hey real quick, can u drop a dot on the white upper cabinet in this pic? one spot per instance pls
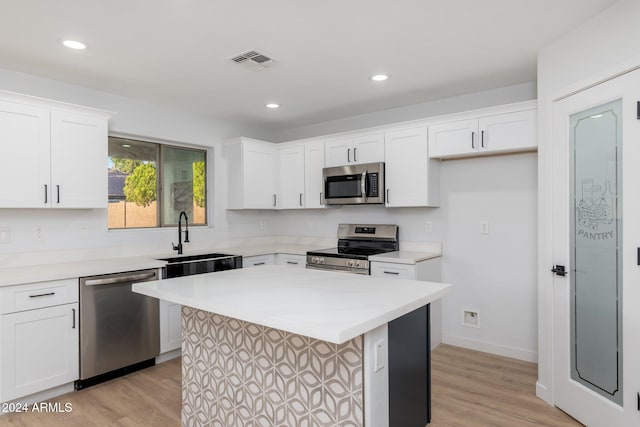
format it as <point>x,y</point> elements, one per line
<point>501,132</point>
<point>455,138</point>
<point>78,155</point>
<point>292,176</point>
<point>368,148</point>
<point>313,181</point>
<point>58,152</point>
<point>411,178</point>
<point>24,156</point>
<point>252,174</point>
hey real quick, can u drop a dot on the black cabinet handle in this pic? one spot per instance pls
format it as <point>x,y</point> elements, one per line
<point>259,263</point>
<point>300,199</point>
<point>482,139</point>
<point>349,155</point>
<point>292,262</point>
<point>391,272</point>
<point>354,154</point>
<point>46,194</point>
<point>42,295</point>
<point>274,200</point>
<point>58,192</point>
<point>73,311</point>
<point>473,136</point>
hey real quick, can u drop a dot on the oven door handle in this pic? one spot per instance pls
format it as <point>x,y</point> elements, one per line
<point>363,185</point>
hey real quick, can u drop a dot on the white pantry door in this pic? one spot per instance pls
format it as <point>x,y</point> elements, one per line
<point>596,171</point>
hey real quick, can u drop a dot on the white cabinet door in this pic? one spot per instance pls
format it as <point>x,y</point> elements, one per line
<point>411,178</point>
<point>257,260</point>
<point>39,350</point>
<point>338,152</point>
<point>24,156</point>
<point>508,132</point>
<point>170,327</point>
<point>368,148</point>
<point>78,153</point>
<point>292,174</point>
<point>313,181</point>
<point>291,260</point>
<point>453,139</point>
<point>259,176</point>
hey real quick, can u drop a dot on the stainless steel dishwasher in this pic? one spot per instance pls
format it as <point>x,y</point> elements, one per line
<point>119,329</point>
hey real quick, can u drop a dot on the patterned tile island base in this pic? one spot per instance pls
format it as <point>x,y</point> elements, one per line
<point>239,374</point>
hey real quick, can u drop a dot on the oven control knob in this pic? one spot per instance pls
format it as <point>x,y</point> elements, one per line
<point>320,260</point>
<point>350,263</point>
<point>314,260</point>
<point>357,263</point>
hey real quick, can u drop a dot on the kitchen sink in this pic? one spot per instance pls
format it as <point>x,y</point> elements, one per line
<point>198,264</point>
<point>189,258</point>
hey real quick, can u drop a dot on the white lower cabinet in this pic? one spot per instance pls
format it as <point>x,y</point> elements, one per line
<point>39,350</point>
<point>170,326</point>
<point>428,271</point>
<point>257,260</point>
<point>297,261</point>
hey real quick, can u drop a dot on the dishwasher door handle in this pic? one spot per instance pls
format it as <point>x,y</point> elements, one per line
<point>120,279</point>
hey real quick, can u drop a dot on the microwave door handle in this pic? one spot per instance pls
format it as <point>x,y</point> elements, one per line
<point>363,186</point>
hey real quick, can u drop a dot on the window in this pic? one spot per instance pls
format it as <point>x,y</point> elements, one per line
<point>150,184</point>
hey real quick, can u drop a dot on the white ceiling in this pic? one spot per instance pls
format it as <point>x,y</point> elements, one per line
<point>175,52</point>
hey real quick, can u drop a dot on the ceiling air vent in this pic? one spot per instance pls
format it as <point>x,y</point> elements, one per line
<point>253,60</point>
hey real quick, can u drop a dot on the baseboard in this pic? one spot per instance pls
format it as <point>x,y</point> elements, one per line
<point>500,350</point>
<point>169,355</point>
<point>544,393</point>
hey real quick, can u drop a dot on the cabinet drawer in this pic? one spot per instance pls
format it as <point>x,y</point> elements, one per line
<point>38,295</point>
<point>255,261</point>
<point>388,269</point>
<point>298,261</point>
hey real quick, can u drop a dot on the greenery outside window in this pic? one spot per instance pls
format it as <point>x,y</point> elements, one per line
<point>150,184</point>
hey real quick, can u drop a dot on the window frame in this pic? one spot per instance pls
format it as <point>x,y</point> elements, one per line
<point>160,202</point>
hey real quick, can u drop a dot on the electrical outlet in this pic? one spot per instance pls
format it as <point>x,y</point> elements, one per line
<point>470,318</point>
<point>39,233</point>
<point>484,227</point>
<point>378,362</point>
<point>5,235</point>
<point>427,226</point>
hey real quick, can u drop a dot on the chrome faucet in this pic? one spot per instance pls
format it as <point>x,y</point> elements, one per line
<point>186,232</point>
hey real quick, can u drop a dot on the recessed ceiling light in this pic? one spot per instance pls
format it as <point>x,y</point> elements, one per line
<point>379,77</point>
<point>126,145</point>
<point>272,105</point>
<point>73,44</point>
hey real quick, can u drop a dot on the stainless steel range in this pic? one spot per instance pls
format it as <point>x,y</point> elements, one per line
<point>356,242</point>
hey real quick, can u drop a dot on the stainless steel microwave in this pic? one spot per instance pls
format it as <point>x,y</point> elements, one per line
<point>354,184</point>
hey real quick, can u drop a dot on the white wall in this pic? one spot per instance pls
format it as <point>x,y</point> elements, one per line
<point>455,104</point>
<point>73,229</point>
<point>601,48</point>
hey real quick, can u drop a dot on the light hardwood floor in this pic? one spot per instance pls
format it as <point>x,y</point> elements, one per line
<point>469,389</point>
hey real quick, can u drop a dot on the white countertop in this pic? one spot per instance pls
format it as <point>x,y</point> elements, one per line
<point>329,306</point>
<point>66,270</point>
<point>404,257</point>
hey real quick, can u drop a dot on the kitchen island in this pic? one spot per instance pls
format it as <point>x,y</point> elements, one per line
<point>278,346</point>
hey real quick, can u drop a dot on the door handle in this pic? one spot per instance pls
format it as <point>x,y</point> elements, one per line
<point>300,199</point>
<point>559,270</point>
<point>42,295</point>
<point>473,136</point>
<point>321,197</point>
<point>258,263</point>
<point>354,154</point>
<point>349,155</point>
<point>46,192</point>
<point>73,313</point>
<point>58,192</point>
<point>392,272</point>
<point>387,196</point>
<point>274,200</point>
<point>292,262</point>
<point>363,185</point>
<point>482,139</point>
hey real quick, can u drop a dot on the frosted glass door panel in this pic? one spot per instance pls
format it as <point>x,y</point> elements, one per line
<point>596,253</point>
